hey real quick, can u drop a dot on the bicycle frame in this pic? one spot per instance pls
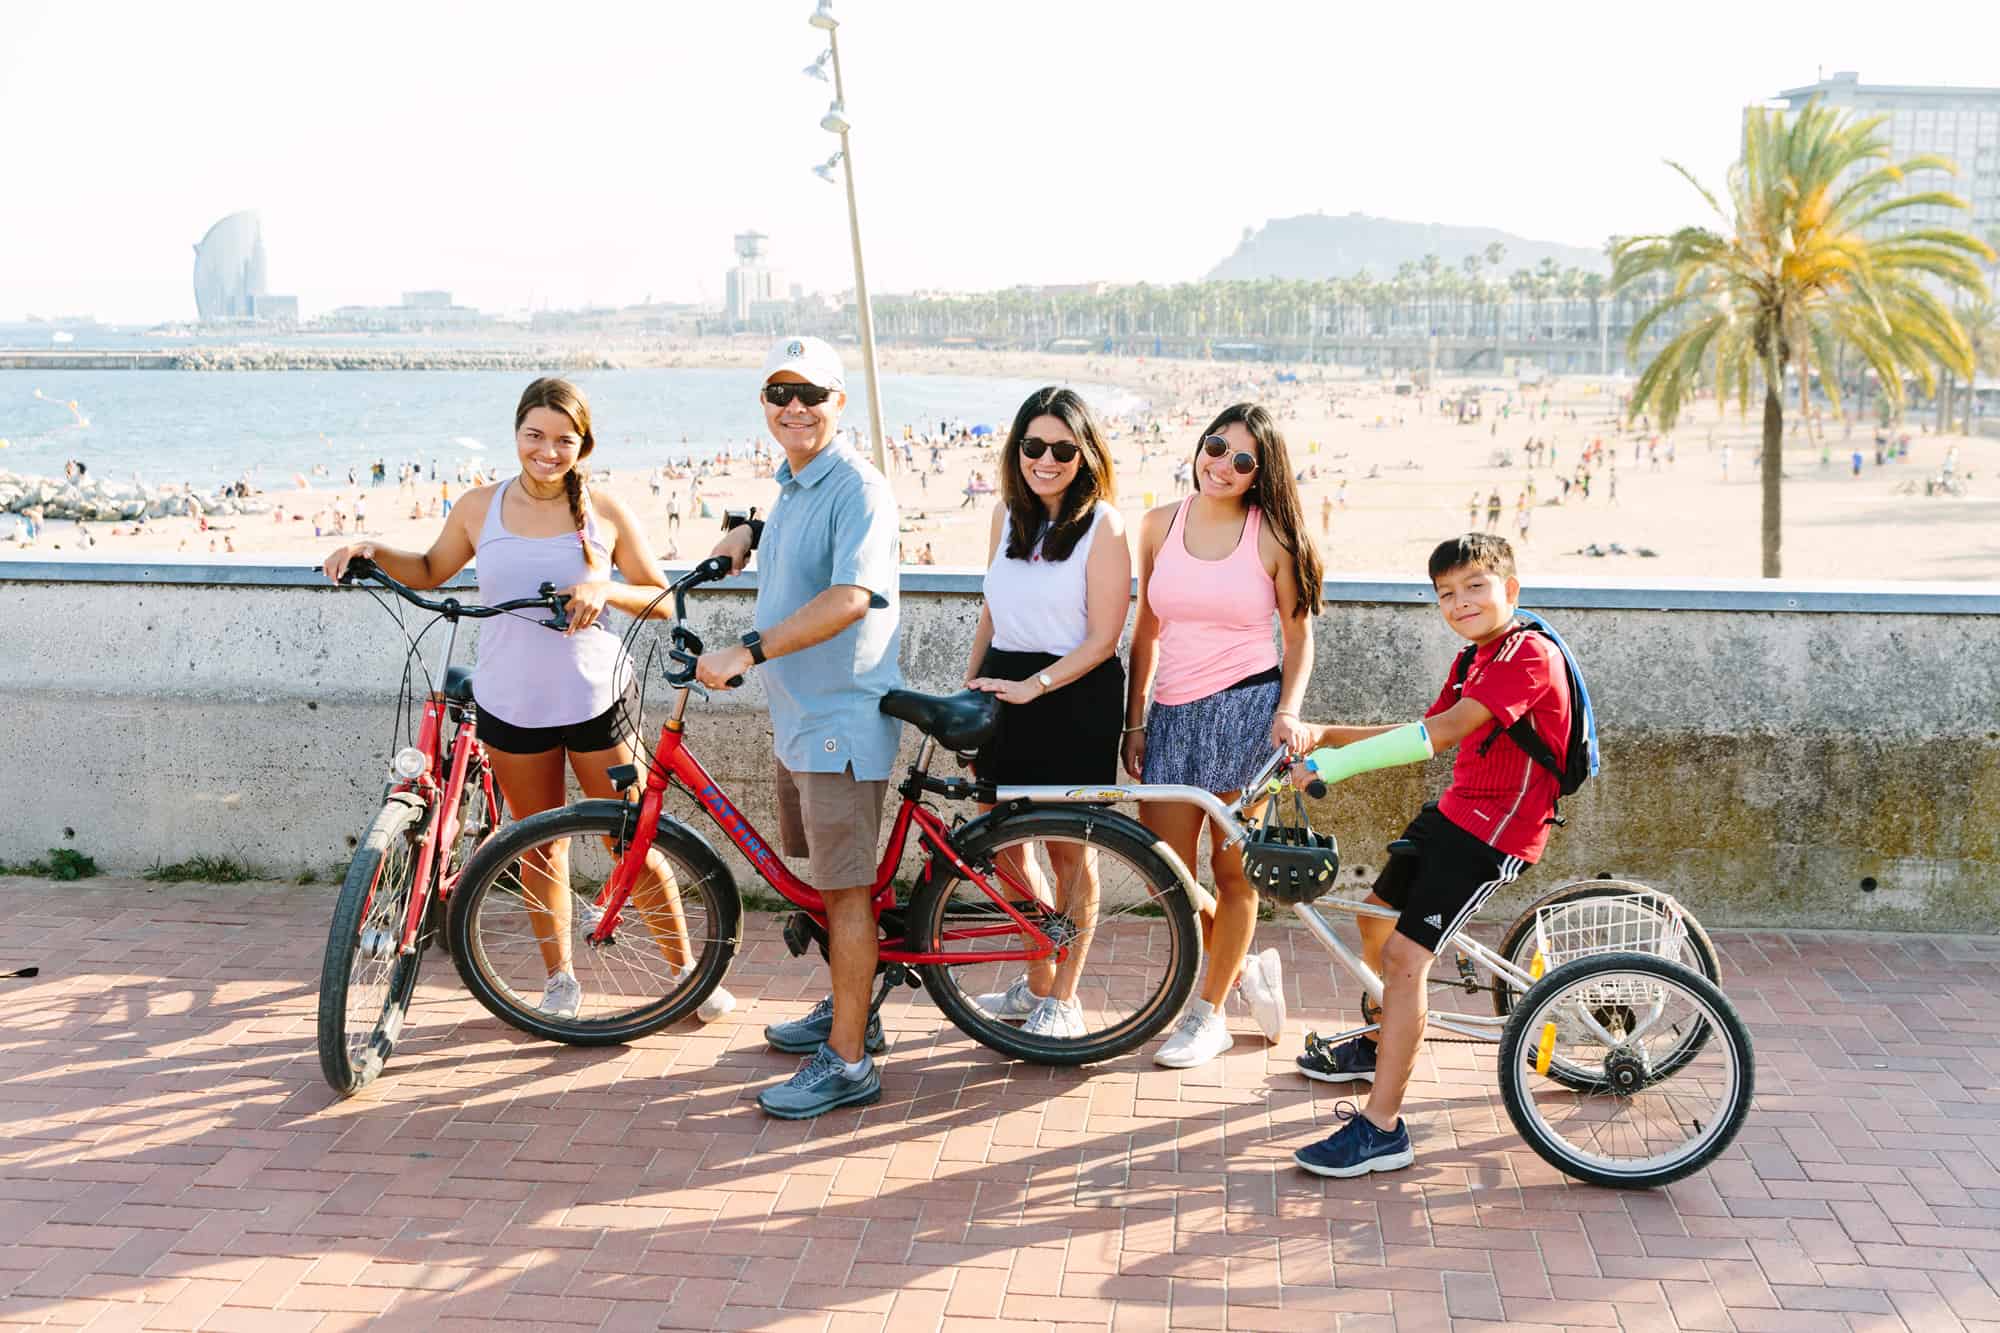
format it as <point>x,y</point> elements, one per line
<point>673,762</point>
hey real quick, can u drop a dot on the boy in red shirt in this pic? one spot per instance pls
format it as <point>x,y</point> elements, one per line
<point>1491,824</point>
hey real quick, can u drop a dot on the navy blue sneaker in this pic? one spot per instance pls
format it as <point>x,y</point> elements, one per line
<point>821,1085</point>
<point>803,1036</point>
<point>1349,1062</point>
<point>1357,1147</point>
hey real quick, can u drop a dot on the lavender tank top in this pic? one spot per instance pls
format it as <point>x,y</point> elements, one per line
<point>528,675</point>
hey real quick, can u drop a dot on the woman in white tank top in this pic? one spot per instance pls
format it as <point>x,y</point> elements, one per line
<point>1058,584</point>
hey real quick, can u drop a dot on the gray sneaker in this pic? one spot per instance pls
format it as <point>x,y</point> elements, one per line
<point>1016,1002</point>
<point>821,1085</point>
<point>803,1036</point>
<point>562,996</point>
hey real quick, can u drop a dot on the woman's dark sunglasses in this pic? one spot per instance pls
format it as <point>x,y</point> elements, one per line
<point>1215,446</point>
<point>782,395</point>
<point>1064,450</point>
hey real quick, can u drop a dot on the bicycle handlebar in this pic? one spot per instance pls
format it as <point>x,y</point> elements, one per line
<point>546,599</point>
<point>687,644</point>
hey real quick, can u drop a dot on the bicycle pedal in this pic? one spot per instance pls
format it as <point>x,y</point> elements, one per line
<point>1467,976</point>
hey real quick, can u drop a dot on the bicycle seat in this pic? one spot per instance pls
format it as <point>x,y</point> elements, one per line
<point>962,721</point>
<point>458,684</point>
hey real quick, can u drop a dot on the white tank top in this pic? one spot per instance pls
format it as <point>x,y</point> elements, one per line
<point>1040,606</point>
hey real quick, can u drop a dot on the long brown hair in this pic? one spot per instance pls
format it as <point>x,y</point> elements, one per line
<point>1277,494</point>
<point>1094,479</point>
<point>559,395</point>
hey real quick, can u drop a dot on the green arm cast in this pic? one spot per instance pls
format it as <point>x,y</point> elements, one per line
<point>1404,745</point>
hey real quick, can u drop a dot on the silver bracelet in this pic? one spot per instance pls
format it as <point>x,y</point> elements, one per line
<point>1129,730</point>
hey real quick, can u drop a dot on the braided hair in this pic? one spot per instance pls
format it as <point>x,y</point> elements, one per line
<point>559,395</point>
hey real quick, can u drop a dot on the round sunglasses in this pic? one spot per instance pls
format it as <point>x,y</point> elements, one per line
<point>782,395</point>
<point>1215,446</point>
<point>1064,451</point>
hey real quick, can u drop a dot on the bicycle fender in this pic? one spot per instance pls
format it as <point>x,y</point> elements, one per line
<point>1203,900</point>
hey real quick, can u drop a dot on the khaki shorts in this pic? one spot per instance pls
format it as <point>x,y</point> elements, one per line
<point>835,820</point>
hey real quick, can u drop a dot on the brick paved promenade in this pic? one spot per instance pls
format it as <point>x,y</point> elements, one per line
<point>171,1160</point>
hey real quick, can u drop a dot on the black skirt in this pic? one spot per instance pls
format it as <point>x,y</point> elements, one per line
<point>1067,737</point>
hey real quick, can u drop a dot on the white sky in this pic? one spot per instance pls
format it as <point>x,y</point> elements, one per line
<point>521,154</point>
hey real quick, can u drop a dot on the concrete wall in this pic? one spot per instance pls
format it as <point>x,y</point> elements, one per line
<point>1769,750</point>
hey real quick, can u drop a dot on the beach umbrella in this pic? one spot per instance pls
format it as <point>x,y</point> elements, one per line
<point>982,430</point>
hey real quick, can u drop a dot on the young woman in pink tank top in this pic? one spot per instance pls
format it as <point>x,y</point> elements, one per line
<point>1221,573</point>
<point>564,691</point>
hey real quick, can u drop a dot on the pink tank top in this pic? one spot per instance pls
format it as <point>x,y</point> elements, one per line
<point>1217,617</point>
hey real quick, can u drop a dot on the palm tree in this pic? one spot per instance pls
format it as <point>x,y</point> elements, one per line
<point>1793,274</point>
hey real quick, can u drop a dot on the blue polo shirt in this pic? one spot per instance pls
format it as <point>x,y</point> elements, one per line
<point>834,524</point>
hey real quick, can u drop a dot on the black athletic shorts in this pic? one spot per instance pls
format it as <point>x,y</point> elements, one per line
<point>602,732</point>
<point>1450,878</point>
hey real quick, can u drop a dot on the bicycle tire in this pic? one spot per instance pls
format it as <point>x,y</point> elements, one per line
<point>486,954</point>
<point>358,1034</point>
<point>1516,944</point>
<point>976,844</point>
<point>1710,1008</point>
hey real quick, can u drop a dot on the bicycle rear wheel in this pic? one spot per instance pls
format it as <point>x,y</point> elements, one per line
<point>1136,932</point>
<point>365,980</point>
<point>524,908</point>
<point>1581,1070</point>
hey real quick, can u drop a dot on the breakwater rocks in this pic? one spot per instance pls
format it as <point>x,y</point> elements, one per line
<point>394,358</point>
<point>95,501</point>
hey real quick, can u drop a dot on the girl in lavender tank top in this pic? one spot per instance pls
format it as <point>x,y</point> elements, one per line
<point>548,701</point>
<point>1216,571</point>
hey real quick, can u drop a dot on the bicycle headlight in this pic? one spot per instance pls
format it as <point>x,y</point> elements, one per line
<point>409,763</point>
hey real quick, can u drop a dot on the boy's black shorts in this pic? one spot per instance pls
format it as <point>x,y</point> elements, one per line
<point>1450,878</point>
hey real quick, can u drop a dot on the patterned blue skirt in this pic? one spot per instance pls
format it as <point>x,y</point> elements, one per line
<point>1216,743</point>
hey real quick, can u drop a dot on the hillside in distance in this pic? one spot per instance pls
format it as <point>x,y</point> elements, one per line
<point>1320,245</point>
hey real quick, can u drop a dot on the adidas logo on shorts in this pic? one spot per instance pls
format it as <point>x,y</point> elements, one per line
<point>1437,921</point>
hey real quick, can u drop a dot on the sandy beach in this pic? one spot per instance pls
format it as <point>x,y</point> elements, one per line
<point>1387,475</point>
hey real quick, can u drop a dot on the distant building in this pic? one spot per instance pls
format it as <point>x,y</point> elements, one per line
<point>229,269</point>
<point>753,291</point>
<point>427,300</point>
<point>1962,124</point>
<point>268,309</point>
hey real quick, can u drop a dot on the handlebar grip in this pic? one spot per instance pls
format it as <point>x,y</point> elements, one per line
<point>735,681</point>
<point>360,567</point>
<point>1316,789</point>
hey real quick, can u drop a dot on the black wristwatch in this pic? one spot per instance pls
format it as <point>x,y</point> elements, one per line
<point>755,643</point>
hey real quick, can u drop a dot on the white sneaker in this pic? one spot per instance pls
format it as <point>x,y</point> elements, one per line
<point>1202,1035</point>
<point>1017,1001</point>
<point>1263,985</point>
<point>718,1003</point>
<point>562,997</point>
<point>1053,1018</point>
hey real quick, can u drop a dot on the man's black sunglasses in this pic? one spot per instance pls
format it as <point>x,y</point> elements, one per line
<point>783,395</point>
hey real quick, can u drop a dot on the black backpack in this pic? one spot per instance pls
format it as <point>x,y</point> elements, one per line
<point>1580,762</point>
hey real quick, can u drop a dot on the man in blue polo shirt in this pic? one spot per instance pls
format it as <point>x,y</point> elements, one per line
<point>826,641</point>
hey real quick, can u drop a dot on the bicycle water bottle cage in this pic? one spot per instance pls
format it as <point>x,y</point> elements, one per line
<point>1287,860</point>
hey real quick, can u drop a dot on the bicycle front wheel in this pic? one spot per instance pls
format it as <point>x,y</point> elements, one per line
<point>525,908</point>
<point>365,980</point>
<point>1582,1070</point>
<point>1090,880</point>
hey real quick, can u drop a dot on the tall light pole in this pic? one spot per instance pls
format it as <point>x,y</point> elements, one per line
<point>835,122</point>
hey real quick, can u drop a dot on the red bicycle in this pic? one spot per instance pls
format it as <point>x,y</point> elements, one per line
<point>656,913</point>
<point>439,804</point>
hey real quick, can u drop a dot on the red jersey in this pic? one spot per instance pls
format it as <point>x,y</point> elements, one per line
<point>1503,797</point>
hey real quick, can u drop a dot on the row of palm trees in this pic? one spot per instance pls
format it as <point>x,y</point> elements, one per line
<point>1473,299</point>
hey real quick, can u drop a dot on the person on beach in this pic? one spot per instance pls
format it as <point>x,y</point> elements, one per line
<point>826,637</point>
<point>1215,570</point>
<point>545,697</point>
<point>1490,825</point>
<point>1058,581</point>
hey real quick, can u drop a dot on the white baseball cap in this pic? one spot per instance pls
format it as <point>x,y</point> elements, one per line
<point>811,359</point>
